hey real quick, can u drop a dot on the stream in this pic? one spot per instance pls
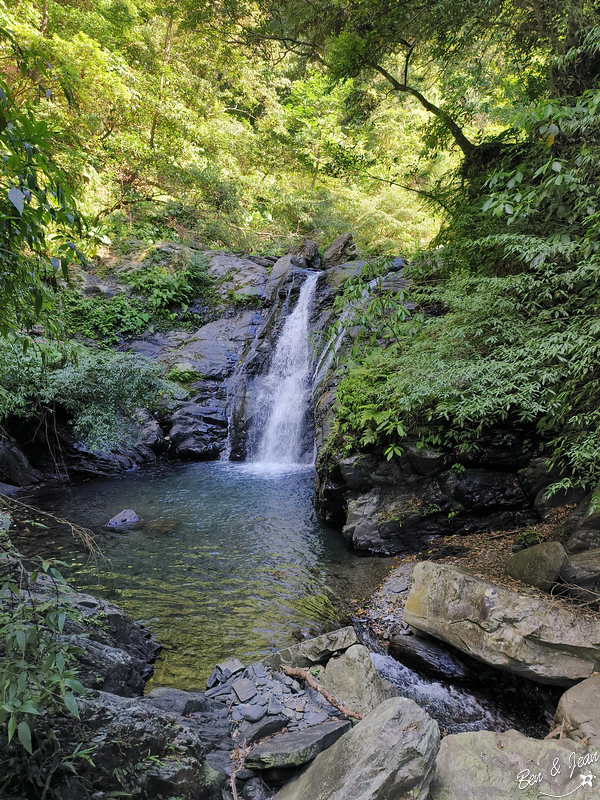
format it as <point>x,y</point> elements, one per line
<point>228,559</point>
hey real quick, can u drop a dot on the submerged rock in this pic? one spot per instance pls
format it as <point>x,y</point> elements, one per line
<point>516,631</point>
<point>505,766</point>
<point>389,755</point>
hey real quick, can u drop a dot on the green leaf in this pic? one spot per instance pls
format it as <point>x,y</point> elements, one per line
<point>25,736</point>
<point>17,198</point>
<point>71,704</point>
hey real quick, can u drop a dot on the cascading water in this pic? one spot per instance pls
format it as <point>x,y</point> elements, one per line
<point>285,394</point>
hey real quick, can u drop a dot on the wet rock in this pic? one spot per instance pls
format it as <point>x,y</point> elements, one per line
<point>14,466</point>
<point>578,712</point>
<point>313,651</point>
<point>354,681</point>
<point>505,766</point>
<point>342,249</point>
<point>389,755</point>
<point>296,748</point>
<point>519,632</point>
<point>424,460</point>
<point>337,276</point>
<point>426,655</point>
<point>539,565</point>
<point>125,517</point>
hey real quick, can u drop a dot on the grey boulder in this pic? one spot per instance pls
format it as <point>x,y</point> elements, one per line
<point>354,681</point>
<point>579,710</point>
<point>389,755</point>
<point>313,651</point>
<point>539,565</point>
<point>485,765</point>
<point>519,632</point>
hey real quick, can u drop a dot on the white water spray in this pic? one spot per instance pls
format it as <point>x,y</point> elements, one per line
<point>285,394</point>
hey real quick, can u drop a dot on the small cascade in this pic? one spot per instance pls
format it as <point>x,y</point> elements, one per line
<point>284,396</point>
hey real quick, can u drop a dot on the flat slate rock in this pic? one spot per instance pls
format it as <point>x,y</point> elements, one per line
<point>265,727</point>
<point>244,689</point>
<point>294,749</point>
<point>313,651</point>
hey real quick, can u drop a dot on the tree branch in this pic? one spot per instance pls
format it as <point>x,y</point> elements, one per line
<point>461,140</point>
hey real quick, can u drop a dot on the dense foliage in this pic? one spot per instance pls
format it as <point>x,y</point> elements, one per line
<point>506,332</point>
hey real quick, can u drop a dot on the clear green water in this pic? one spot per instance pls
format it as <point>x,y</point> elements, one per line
<point>229,559</point>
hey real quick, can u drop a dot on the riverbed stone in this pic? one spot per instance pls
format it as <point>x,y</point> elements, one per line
<point>296,748</point>
<point>313,651</point>
<point>539,565</point>
<point>389,755</point>
<point>520,632</point>
<point>578,712</point>
<point>354,681</point>
<point>429,656</point>
<point>245,690</point>
<point>125,517</point>
<point>485,765</point>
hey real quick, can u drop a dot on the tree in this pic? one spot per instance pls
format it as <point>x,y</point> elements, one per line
<point>37,210</point>
<point>415,45</point>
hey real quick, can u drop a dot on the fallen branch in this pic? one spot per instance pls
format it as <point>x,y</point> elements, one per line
<point>296,672</point>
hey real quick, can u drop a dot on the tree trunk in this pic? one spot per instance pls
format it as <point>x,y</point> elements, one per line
<point>165,61</point>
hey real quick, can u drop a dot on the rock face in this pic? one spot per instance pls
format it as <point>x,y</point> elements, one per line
<point>398,506</point>
<point>354,681</point>
<point>515,631</point>
<point>138,749</point>
<point>15,469</point>
<point>505,766</point>
<point>389,755</point>
<point>539,565</point>
<point>579,710</point>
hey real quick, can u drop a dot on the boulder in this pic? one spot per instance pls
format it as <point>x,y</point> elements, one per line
<point>485,765</point>
<point>309,251</point>
<point>389,755</point>
<point>284,266</point>
<point>296,748</point>
<point>581,530</point>
<point>357,471</point>
<point>517,631</point>
<point>539,565</point>
<point>340,250</point>
<point>125,517</point>
<point>336,277</point>
<point>362,523</point>
<point>579,710</point>
<point>313,651</point>
<point>581,573</point>
<point>15,469</point>
<point>354,681</point>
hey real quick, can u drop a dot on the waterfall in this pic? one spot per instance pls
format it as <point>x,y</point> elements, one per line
<point>285,393</point>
